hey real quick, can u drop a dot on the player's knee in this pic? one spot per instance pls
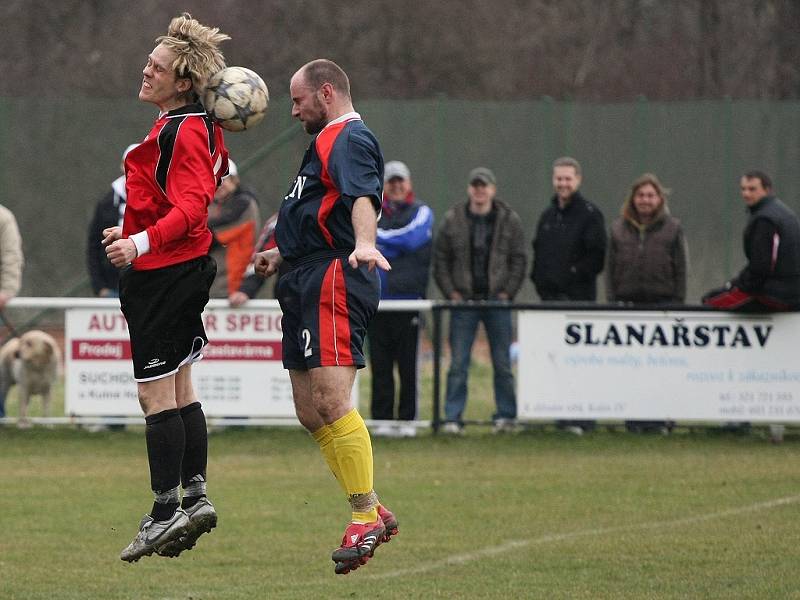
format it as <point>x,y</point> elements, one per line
<point>333,409</point>
<point>153,399</point>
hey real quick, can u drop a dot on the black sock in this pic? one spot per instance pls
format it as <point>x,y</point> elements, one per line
<point>166,441</point>
<point>189,501</point>
<point>195,456</point>
<point>162,512</point>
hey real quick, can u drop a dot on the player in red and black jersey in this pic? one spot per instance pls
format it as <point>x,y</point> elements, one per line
<point>167,273</point>
<point>326,232</point>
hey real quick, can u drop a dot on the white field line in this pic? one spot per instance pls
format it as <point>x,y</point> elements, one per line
<point>460,559</point>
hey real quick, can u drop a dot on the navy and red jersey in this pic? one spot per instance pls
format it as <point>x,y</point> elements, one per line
<point>171,178</point>
<point>342,163</point>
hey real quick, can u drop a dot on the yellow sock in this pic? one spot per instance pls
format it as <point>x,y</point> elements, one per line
<point>324,438</point>
<point>353,450</point>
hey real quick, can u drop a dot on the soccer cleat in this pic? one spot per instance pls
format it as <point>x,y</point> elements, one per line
<point>389,522</point>
<point>202,519</point>
<point>154,535</point>
<point>358,545</point>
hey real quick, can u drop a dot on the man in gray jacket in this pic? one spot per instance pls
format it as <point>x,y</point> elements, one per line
<point>479,255</point>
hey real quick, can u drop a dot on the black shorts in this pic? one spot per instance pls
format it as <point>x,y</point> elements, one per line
<point>327,306</point>
<point>164,310</point>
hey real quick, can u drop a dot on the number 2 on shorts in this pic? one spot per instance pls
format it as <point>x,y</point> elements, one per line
<point>307,339</point>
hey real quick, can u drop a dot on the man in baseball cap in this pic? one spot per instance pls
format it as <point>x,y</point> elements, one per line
<point>405,234</point>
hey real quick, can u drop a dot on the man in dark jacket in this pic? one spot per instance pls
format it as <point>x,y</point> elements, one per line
<point>569,249</point>
<point>479,254</point>
<point>108,212</point>
<point>405,237</point>
<point>570,243</point>
<point>771,279</point>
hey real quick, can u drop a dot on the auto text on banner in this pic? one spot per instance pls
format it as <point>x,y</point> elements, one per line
<point>658,365</point>
<point>241,374</point>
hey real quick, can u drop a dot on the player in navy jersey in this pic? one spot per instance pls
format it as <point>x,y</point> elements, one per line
<point>326,232</point>
<point>163,246</point>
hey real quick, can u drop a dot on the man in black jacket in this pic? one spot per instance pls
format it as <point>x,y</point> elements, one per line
<point>569,249</point>
<point>570,243</point>
<point>771,279</point>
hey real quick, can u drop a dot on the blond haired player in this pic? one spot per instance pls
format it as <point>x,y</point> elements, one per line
<point>162,248</point>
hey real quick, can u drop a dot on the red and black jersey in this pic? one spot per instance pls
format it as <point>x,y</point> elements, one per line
<point>343,163</point>
<point>171,178</point>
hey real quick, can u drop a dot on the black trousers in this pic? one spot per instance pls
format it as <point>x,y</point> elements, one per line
<point>393,338</point>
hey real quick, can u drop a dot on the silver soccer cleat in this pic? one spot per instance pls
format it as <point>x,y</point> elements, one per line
<point>202,519</point>
<point>154,535</point>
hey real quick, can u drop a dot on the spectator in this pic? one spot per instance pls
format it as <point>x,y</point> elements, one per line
<point>251,281</point>
<point>569,249</point>
<point>479,255</point>
<point>647,258</point>
<point>647,252</point>
<point>103,276</point>
<point>109,211</point>
<point>233,219</point>
<point>11,263</point>
<point>771,279</point>
<point>405,236</point>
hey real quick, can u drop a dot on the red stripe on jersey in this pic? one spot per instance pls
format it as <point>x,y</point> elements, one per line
<point>325,141</point>
<point>334,319</point>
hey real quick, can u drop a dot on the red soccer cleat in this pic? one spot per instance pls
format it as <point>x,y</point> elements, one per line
<point>389,521</point>
<point>358,545</point>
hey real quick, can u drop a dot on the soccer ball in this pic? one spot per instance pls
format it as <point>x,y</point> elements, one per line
<point>236,98</point>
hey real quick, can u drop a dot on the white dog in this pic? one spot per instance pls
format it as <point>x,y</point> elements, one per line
<point>32,362</point>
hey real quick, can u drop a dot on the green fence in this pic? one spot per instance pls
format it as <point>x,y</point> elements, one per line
<point>59,156</point>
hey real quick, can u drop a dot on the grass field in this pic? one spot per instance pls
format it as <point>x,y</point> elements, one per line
<point>539,514</point>
<point>534,515</point>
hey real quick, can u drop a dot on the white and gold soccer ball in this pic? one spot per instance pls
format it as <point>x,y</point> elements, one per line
<point>236,98</point>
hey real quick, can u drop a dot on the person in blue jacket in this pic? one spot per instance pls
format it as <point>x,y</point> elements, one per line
<point>405,235</point>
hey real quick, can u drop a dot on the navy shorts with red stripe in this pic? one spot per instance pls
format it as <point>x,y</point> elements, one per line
<point>327,306</point>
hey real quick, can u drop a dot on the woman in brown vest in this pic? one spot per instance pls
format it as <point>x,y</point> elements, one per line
<point>647,259</point>
<point>647,256</point>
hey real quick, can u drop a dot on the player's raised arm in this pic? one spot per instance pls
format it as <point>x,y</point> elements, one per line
<point>365,227</point>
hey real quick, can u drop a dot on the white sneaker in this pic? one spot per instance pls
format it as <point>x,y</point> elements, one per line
<point>776,432</point>
<point>452,428</point>
<point>407,431</point>
<point>383,431</point>
<point>504,426</point>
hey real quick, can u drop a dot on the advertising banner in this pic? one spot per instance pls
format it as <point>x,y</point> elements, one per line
<point>655,365</point>
<point>240,375</point>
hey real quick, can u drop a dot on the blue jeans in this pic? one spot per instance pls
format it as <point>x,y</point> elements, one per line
<point>463,327</point>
